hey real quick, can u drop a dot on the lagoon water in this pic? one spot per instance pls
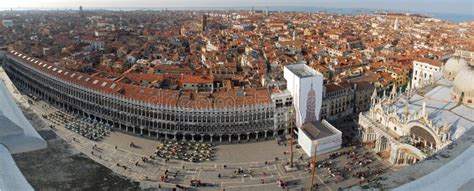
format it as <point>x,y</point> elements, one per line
<point>349,11</point>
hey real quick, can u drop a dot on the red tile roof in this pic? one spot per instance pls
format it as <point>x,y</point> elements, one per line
<point>186,78</point>
<point>151,95</point>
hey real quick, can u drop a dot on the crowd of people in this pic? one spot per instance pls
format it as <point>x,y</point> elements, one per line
<point>355,163</point>
<point>89,128</point>
<point>355,166</point>
<point>185,151</point>
<point>368,173</point>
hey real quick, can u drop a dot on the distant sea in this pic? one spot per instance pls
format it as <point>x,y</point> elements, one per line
<point>348,11</point>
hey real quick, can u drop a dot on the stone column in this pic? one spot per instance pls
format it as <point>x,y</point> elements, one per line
<point>377,143</point>
<point>393,157</point>
<point>248,136</point>
<point>256,135</point>
<point>230,138</point>
<point>202,138</point>
<point>220,138</point>
<point>212,138</point>
<point>399,156</point>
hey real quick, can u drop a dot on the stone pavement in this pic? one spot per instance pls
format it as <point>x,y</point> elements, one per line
<point>250,157</point>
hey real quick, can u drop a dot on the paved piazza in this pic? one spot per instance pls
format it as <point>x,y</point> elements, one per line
<point>229,158</point>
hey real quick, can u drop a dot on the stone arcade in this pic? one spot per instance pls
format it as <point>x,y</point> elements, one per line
<point>151,112</point>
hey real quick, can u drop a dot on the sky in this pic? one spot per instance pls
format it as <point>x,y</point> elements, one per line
<point>465,7</point>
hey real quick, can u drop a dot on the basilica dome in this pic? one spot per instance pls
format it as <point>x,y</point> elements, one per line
<point>463,86</point>
<point>453,66</point>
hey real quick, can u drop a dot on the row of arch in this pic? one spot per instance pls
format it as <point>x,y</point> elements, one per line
<point>27,84</point>
<point>182,136</point>
<point>400,154</point>
<point>220,138</point>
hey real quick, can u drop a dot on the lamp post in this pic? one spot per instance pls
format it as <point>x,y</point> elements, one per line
<point>291,138</point>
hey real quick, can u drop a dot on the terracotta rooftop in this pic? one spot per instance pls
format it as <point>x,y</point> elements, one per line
<point>335,87</point>
<point>437,63</point>
<point>186,78</point>
<point>151,95</point>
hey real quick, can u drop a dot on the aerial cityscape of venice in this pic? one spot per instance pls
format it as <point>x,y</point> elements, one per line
<point>237,95</point>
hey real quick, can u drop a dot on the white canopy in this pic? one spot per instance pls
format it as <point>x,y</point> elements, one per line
<point>16,132</point>
<point>452,176</point>
<point>10,176</point>
<point>17,135</point>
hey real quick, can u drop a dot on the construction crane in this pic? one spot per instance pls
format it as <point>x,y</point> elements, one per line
<point>313,168</point>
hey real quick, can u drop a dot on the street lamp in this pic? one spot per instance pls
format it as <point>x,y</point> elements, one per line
<point>313,169</point>
<point>291,138</point>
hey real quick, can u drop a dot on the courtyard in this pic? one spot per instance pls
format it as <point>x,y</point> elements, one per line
<point>244,166</point>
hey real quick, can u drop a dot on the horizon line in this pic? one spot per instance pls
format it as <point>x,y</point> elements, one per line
<point>129,8</point>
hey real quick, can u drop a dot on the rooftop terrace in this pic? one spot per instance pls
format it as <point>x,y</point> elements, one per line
<point>302,70</point>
